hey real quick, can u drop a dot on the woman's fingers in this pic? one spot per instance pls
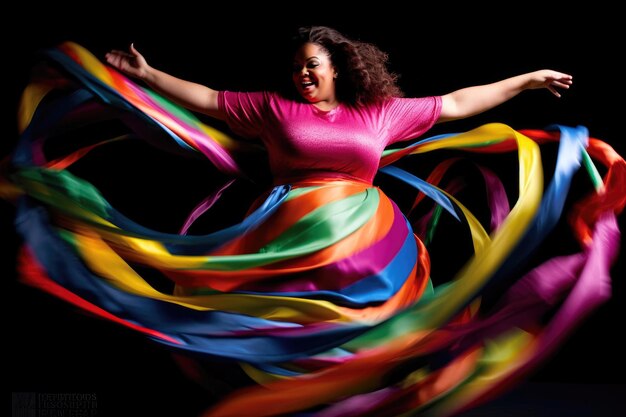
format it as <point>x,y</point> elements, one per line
<point>133,51</point>
<point>554,91</point>
<point>561,84</point>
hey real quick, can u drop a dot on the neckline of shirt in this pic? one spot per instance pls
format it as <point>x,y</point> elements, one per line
<point>330,112</point>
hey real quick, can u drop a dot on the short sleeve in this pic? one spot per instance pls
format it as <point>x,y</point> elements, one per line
<point>245,112</point>
<point>409,118</point>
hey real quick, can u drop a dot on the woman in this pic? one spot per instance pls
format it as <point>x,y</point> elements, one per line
<point>323,292</point>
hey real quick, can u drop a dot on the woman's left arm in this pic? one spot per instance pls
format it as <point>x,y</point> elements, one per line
<point>470,101</point>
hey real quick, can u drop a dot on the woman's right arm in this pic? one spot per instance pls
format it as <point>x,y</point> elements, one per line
<point>193,96</point>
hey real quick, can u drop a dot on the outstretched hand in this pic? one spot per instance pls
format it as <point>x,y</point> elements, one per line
<point>131,63</point>
<point>549,79</point>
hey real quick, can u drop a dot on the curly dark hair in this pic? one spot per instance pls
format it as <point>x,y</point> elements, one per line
<point>364,77</point>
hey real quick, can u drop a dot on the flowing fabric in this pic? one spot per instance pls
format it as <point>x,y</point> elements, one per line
<point>322,292</point>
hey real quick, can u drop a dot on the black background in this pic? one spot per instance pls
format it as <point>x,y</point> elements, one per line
<point>435,49</point>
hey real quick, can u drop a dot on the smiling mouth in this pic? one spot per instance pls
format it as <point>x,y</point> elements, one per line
<point>307,85</point>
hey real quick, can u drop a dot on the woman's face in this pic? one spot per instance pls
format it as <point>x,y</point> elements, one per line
<point>314,74</point>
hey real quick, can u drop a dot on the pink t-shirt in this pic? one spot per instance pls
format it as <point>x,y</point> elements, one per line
<point>303,141</point>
